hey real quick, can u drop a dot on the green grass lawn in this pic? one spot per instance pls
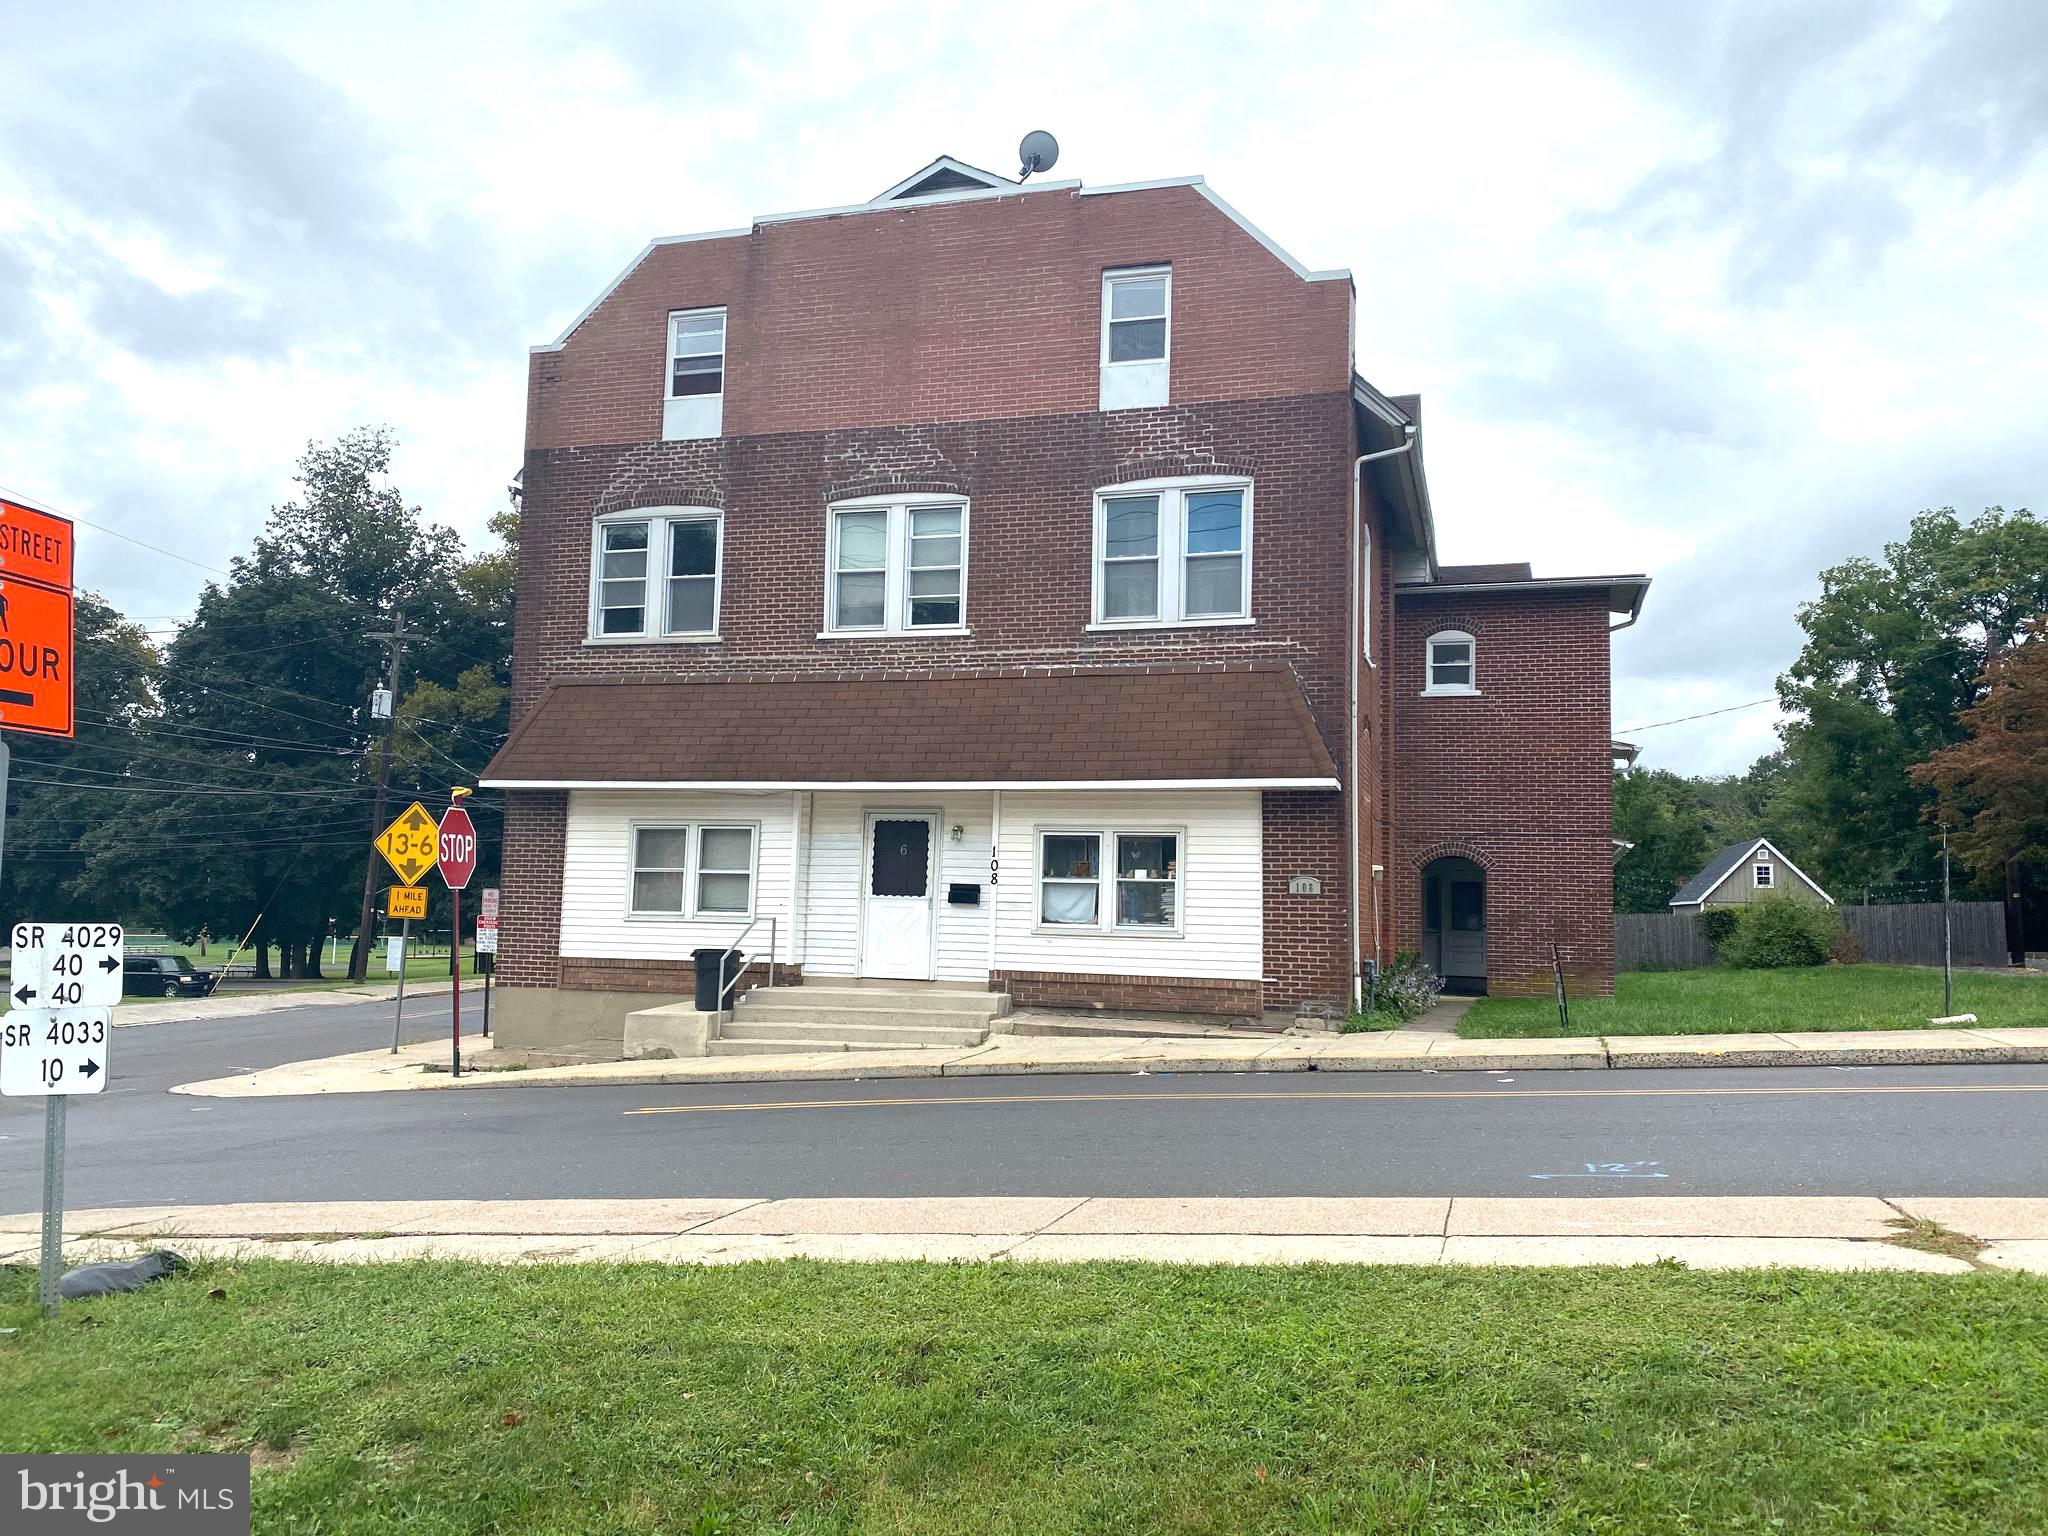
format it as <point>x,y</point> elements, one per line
<point>1125,1398</point>
<point>1727,1002</point>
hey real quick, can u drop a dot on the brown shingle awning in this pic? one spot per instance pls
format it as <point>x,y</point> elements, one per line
<point>1238,725</point>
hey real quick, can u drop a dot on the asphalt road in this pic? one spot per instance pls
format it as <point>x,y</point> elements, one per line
<point>1732,1131</point>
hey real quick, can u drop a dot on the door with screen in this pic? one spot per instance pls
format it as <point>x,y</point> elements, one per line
<point>896,896</point>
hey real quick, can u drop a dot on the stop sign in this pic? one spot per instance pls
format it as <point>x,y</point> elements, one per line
<point>455,849</point>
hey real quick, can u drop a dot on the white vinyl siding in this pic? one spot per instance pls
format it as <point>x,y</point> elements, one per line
<point>833,878</point>
<point>597,875</point>
<point>1219,887</point>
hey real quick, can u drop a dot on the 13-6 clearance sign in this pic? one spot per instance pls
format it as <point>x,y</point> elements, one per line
<point>35,621</point>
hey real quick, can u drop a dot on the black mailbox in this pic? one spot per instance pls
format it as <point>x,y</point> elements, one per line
<point>963,895</point>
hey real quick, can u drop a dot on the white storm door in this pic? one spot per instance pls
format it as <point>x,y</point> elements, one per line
<point>896,896</point>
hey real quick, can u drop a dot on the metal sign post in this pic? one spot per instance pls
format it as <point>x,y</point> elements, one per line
<point>67,976</point>
<point>455,853</point>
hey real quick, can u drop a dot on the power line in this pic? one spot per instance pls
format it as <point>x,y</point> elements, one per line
<point>146,789</point>
<point>1657,725</point>
<point>115,532</point>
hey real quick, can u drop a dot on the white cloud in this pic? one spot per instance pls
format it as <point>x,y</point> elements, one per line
<point>1723,292</point>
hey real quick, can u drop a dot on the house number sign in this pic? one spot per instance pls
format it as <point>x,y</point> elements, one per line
<point>1304,885</point>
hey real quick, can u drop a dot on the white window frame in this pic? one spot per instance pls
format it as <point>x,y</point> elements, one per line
<point>693,843</point>
<point>1106,878</point>
<point>1173,496</point>
<point>1365,590</point>
<point>896,567</point>
<point>1431,688</point>
<point>707,409</point>
<point>1117,276</point>
<point>1762,876</point>
<point>660,521</point>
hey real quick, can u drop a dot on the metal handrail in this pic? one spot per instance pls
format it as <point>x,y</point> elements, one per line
<point>725,987</point>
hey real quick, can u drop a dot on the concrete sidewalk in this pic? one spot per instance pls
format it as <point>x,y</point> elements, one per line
<point>1029,1056</point>
<point>237,1005</point>
<point>1934,1236</point>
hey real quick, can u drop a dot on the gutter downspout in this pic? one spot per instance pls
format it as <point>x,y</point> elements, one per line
<point>1635,609</point>
<point>1360,619</point>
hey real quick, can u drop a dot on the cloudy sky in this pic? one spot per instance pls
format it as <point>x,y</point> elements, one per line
<point>1721,292</point>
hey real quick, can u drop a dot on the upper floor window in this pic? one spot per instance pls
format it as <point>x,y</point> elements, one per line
<point>1365,590</point>
<point>897,567</point>
<point>695,406</point>
<point>1137,307</point>
<point>1763,877</point>
<point>1450,665</point>
<point>1174,553</point>
<point>655,574</point>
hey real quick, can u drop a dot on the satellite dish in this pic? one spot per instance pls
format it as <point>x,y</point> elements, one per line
<point>1038,152</point>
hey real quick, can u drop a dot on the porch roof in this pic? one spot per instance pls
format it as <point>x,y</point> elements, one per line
<point>1243,725</point>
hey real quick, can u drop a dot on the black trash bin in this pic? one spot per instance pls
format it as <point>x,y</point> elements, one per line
<point>714,990</point>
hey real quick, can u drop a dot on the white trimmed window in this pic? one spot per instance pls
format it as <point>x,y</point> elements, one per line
<point>655,574</point>
<point>1173,552</point>
<point>1109,880</point>
<point>1365,590</point>
<point>897,567</point>
<point>1763,875</point>
<point>692,870</point>
<point>1137,324</point>
<point>1450,663</point>
<point>695,380</point>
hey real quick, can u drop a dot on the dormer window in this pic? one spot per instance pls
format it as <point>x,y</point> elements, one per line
<point>1137,306</point>
<point>696,375</point>
<point>1450,665</point>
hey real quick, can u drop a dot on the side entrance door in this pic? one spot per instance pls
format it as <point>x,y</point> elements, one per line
<point>896,896</point>
<point>1464,938</point>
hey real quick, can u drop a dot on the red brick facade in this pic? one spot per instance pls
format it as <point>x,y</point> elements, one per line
<point>1517,779</point>
<point>953,348</point>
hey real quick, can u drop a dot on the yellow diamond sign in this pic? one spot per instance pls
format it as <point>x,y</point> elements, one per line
<point>408,843</point>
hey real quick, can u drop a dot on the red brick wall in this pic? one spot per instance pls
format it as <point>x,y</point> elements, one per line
<point>530,913</point>
<point>1518,779</point>
<point>1030,485</point>
<point>988,308</point>
<point>1111,994</point>
<point>1307,938</point>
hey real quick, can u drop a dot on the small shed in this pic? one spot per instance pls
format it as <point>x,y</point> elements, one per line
<point>1740,873</point>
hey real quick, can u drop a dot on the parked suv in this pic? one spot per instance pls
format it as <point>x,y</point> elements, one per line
<point>163,976</point>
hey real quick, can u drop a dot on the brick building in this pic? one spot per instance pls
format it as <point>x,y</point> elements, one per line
<point>1016,587</point>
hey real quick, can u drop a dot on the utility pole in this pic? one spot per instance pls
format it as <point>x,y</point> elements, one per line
<point>1948,1002</point>
<point>359,957</point>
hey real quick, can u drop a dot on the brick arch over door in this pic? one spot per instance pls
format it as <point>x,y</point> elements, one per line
<point>1450,848</point>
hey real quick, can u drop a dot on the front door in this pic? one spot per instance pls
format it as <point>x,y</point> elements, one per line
<point>896,896</point>
<point>1464,937</point>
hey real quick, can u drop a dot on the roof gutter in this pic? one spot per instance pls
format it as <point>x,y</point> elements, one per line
<point>1361,639</point>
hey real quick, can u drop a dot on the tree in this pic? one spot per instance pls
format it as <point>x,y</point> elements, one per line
<point>1658,811</point>
<point>1894,653</point>
<point>1991,787</point>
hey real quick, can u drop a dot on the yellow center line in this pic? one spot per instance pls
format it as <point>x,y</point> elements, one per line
<point>1497,1095</point>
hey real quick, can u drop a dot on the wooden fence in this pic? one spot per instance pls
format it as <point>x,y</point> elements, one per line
<point>1898,935</point>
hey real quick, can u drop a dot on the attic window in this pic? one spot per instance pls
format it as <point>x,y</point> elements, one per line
<point>944,181</point>
<point>1763,877</point>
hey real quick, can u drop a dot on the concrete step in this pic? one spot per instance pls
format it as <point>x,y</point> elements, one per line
<point>1115,1028</point>
<point>813,1021</point>
<point>723,1047</point>
<point>908,999</point>
<point>883,1028</point>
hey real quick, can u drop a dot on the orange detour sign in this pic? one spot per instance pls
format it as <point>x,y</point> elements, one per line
<point>35,658</point>
<point>35,546</point>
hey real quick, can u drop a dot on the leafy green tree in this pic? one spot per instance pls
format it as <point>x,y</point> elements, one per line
<point>1894,653</point>
<point>1658,811</point>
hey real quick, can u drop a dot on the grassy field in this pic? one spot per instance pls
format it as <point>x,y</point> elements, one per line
<point>1725,1002</point>
<point>1019,1399</point>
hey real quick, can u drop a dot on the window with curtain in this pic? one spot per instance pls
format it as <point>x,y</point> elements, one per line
<point>898,567</point>
<point>1136,888</point>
